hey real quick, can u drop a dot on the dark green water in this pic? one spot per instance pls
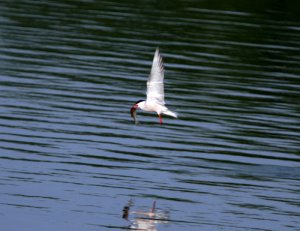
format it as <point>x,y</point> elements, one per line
<point>71,157</point>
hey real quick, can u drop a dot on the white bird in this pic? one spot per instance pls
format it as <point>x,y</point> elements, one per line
<point>155,92</point>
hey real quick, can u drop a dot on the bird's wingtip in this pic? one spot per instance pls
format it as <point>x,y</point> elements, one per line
<point>157,49</point>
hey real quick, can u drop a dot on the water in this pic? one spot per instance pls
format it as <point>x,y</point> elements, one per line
<point>71,157</point>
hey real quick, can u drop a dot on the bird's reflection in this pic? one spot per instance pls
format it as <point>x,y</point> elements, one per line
<point>144,220</point>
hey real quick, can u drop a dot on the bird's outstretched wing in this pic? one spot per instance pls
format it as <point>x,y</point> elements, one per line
<point>155,83</point>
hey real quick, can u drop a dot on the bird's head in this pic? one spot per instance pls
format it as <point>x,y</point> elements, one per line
<point>133,110</point>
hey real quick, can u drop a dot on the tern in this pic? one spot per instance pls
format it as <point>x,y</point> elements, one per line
<point>155,92</point>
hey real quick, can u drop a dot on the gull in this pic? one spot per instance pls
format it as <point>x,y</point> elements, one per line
<point>155,92</point>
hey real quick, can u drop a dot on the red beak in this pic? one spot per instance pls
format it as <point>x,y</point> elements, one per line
<point>133,112</point>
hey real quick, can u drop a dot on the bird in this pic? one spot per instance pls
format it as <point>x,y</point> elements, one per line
<point>155,98</point>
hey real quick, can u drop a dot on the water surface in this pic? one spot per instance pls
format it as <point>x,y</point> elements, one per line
<point>71,157</point>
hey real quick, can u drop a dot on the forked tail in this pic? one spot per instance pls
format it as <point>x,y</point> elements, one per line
<point>170,113</point>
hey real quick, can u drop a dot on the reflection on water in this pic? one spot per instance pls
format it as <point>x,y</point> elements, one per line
<point>144,220</point>
<point>70,155</point>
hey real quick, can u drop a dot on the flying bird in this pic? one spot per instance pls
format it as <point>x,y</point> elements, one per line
<point>155,92</point>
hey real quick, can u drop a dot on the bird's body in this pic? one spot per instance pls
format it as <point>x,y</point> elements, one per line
<point>155,91</point>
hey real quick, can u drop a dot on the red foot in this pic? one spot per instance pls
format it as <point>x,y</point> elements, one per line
<point>160,119</point>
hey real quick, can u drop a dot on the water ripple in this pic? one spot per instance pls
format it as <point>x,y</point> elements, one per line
<point>69,73</point>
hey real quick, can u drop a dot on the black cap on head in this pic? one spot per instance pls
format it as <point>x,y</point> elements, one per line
<point>139,101</point>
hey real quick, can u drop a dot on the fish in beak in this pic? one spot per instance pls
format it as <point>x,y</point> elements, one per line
<point>133,113</point>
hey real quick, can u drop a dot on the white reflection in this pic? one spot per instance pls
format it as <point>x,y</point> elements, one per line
<point>144,220</point>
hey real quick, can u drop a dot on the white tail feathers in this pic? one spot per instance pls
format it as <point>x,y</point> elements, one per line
<point>170,113</point>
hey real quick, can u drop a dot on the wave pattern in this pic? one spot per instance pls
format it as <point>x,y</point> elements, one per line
<point>71,156</point>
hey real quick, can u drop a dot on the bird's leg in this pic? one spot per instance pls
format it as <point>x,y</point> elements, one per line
<point>160,118</point>
<point>153,207</point>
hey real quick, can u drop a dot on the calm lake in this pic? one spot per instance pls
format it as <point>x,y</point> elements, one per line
<point>71,157</point>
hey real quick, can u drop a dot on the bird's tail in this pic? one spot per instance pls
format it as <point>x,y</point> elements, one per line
<point>170,113</point>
